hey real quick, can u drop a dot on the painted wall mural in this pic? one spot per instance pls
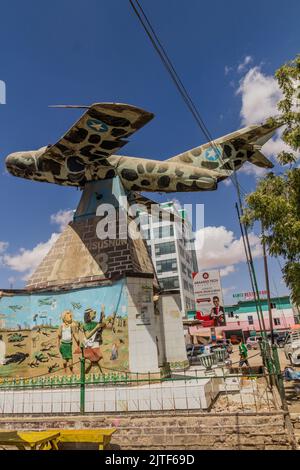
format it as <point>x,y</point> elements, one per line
<point>43,333</point>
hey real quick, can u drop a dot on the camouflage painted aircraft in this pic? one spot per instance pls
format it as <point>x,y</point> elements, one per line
<point>48,301</point>
<point>87,153</point>
<point>76,306</point>
<point>15,308</point>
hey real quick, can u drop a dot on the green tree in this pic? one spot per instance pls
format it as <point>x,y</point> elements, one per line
<point>276,200</point>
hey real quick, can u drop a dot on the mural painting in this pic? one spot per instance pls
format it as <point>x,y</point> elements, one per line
<point>45,333</point>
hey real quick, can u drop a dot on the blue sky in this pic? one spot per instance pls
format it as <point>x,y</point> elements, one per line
<point>71,52</point>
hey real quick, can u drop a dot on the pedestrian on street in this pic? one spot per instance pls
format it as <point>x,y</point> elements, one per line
<point>243,354</point>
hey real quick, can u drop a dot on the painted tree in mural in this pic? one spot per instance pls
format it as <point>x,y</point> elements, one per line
<point>276,200</point>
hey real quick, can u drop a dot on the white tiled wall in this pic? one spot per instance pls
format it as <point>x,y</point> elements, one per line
<point>143,356</point>
<point>185,394</point>
<point>173,329</point>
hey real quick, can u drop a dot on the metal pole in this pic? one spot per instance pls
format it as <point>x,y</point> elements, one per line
<point>250,258</point>
<point>268,287</point>
<point>82,382</point>
<point>249,267</point>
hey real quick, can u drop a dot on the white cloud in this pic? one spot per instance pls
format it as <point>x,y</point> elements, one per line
<point>27,260</point>
<point>260,95</point>
<point>218,247</point>
<point>243,65</point>
<point>256,171</point>
<point>275,145</point>
<point>62,218</point>
<point>227,182</point>
<point>227,270</point>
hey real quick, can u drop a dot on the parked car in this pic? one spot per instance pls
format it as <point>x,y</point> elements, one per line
<point>279,338</point>
<point>253,342</point>
<point>292,347</point>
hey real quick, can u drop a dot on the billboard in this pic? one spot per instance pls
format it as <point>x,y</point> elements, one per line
<point>209,297</point>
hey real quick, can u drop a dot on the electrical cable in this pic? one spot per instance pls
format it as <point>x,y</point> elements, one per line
<point>177,81</point>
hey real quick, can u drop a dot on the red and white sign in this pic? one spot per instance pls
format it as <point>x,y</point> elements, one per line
<point>207,285</point>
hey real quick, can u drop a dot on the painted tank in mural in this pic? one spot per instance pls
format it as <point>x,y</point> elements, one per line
<point>44,333</point>
<point>87,153</point>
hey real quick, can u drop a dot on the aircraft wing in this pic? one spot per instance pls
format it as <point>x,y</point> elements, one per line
<point>100,132</point>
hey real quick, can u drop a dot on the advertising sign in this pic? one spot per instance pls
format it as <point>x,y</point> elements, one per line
<point>249,295</point>
<point>209,297</point>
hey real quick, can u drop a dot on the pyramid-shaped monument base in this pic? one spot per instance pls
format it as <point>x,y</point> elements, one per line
<point>82,255</point>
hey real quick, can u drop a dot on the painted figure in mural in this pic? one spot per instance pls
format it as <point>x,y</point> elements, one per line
<point>16,358</point>
<point>67,332</point>
<point>86,153</point>
<point>93,337</point>
<point>2,351</point>
<point>114,352</point>
<point>217,313</point>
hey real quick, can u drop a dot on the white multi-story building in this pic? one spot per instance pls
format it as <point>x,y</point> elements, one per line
<point>169,237</point>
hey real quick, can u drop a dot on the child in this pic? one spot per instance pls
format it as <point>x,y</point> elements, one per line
<point>66,334</point>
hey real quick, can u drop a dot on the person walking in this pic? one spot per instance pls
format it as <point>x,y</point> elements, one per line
<point>243,354</point>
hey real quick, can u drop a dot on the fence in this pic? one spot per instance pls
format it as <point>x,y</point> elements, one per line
<point>186,390</point>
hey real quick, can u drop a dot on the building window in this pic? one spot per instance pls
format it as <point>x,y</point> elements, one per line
<point>164,231</point>
<point>166,265</point>
<point>273,305</point>
<point>250,320</point>
<point>145,232</point>
<point>230,314</point>
<point>276,321</point>
<point>169,282</point>
<point>165,248</point>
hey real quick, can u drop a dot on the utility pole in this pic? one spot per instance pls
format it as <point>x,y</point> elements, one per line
<point>268,287</point>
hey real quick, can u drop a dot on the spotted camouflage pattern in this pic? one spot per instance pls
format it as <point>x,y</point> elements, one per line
<point>87,153</point>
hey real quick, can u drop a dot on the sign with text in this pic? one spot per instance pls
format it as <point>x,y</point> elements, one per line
<point>208,295</point>
<point>249,295</point>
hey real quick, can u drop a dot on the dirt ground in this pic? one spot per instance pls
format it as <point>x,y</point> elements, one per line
<point>292,396</point>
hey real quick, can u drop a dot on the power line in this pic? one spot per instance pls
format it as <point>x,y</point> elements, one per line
<point>158,46</point>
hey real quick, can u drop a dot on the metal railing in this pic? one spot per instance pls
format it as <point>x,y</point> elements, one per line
<point>190,390</point>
